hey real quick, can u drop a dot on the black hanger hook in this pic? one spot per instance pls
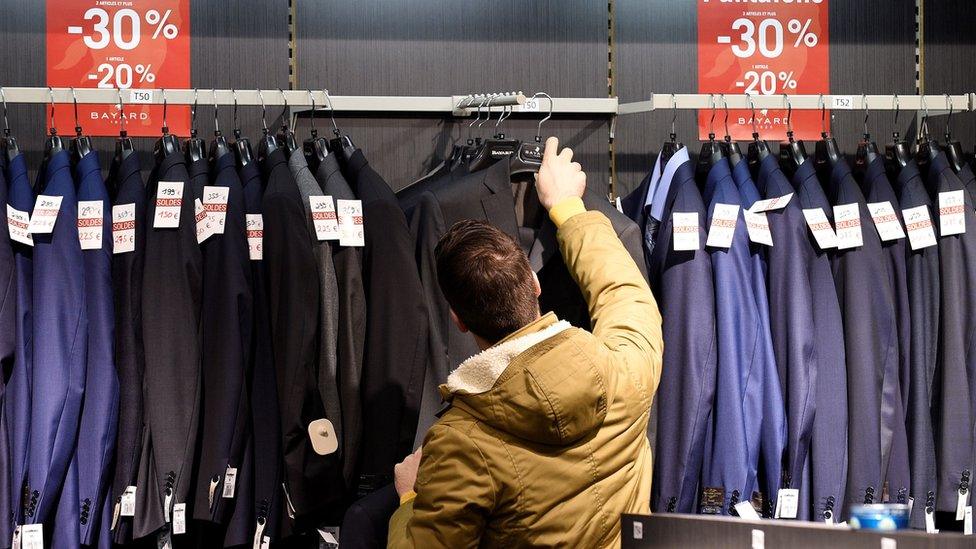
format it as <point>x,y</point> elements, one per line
<point>897,104</point>
<point>752,105</point>
<point>165,105</point>
<point>823,117</point>
<point>284,115</point>
<point>6,123</point>
<point>923,127</point>
<point>122,132</point>
<point>789,116</point>
<point>216,118</point>
<point>711,121</point>
<point>193,114</point>
<point>54,130</point>
<point>725,105</point>
<point>674,116</point>
<point>867,114</point>
<point>328,100</point>
<point>74,100</point>
<point>314,132</point>
<point>237,126</point>
<point>948,127</point>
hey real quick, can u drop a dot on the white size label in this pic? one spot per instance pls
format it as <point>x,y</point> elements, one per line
<point>42,221</point>
<point>746,510</point>
<point>18,224</point>
<point>324,217</point>
<point>230,482</point>
<point>350,222</point>
<point>952,213</point>
<point>140,96</point>
<point>962,501</point>
<point>215,202</point>
<point>123,228</point>
<point>204,227</point>
<point>169,200</point>
<point>758,226</point>
<point>179,518</point>
<point>820,226</point>
<point>722,228</point>
<point>842,102</point>
<point>918,223</point>
<point>771,204</point>
<point>90,224</point>
<point>886,221</point>
<point>787,503</point>
<point>32,536</point>
<point>685,231</point>
<point>255,236</point>
<point>847,218</point>
<point>530,105</point>
<point>128,502</point>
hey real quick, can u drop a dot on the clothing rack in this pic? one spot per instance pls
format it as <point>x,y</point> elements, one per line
<point>935,104</point>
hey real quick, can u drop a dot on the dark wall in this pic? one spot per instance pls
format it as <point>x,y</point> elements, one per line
<point>948,56</point>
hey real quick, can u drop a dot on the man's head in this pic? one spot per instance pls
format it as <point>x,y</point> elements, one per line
<point>487,281</point>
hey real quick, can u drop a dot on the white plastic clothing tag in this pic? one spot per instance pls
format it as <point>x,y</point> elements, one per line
<point>952,213</point>
<point>886,221</point>
<point>787,503</point>
<point>230,482</point>
<point>962,501</point>
<point>128,502</point>
<point>930,522</point>
<point>90,224</point>
<point>324,217</point>
<point>255,236</point>
<point>179,519</point>
<point>169,200</point>
<point>847,218</point>
<point>32,536</point>
<point>746,510</point>
<point>18,224</point>
<point>123,228</point>
<point>820,226</point>
<point>215,202</point>
<point>758,226</point>
<point>722,228</point>
<point>42,221</point>
<point>771,204</point>
<point>685,231</point>
<point>918,224</point>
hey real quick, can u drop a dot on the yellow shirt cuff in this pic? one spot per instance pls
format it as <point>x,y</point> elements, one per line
<point>565,209</point>
<point>408,497</point>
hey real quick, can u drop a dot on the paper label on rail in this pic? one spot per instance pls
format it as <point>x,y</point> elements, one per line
<point>18,224</point>
<point>758,226</point>
<point>215,202</point>
<point>722,228</point>
<point>255,236</point>
<point>169,200</point>
<point>350,222</point>
<point>918,224</point>
<point>886,221</point>
<point>324,217</point>
<point>771,204</point>
<point>123,228</point>
<point>42,221</point>
<point>952,213</point>
<point>90,224</point>
<point>820,226</point>
<point>685,231</point>
<point>847,218</point>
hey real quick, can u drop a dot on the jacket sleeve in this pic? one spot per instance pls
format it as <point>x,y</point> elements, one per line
<point>625,315</point>
<point>455,492</point>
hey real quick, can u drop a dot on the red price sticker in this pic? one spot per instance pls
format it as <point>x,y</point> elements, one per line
<point>137,45</point>
<point>763,49</point>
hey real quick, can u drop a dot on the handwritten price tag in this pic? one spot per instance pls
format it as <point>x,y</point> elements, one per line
<point>350,222</point>
<point>952,216</point>
<point>90,224</point>
<point>918,223</point>
<point>169,200</point>
<point>324,217</point>
<point>205,225</point>
<point>255,236</point>
<point>18,223</point>
<point>758,226</point>
<point>215,202</point>
<point>123,228</point>
<point>847,217</point>
<point>685,231</point>
<point>45,214</point>
<point>771,204</point>
<point>883,214</point>
<point>722,228</point>
<point>823,233</point>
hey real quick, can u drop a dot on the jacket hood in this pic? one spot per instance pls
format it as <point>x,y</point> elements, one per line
<point>539,384</point>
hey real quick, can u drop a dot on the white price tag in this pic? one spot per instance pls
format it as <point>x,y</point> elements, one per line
<point>42,221</point>
<point>771,204</point>
<point>179,518</point>
<point>129,502</point>
<point>952,214</point>
<point>685,231</point>
<point>530,105</point>
<point>324,217</point>
<point>962,501</point>
<point>90,224</point>
<point>169,200</point>
<point>230,482</point>
<point>918,223</point>
<point>255,236</point>
<point>758,226</point>
<point>842,102</point>
<point>722,228</point>
<point>18,224</point>
<point>847,218</point>
<point>787,503</point>
<point>886,221</point>
<point>215,202</point>
<point>746,510</point>
<point>140,96</point>
<point>967,528</point>
<point>822,231</point>
<point>350,222</point>
<point>204,227</point>
<point>32,536</point>
<point>123,228</point>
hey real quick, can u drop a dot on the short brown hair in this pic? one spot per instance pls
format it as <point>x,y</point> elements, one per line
<point>486,279</point>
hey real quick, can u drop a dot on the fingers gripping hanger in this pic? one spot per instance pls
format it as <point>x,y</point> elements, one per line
<point>194,147</point>
<point>123,146</point>
<point>528,157</point>
<point>672,145</point>
<point>792,153</point>
<point>867,149</point>
<point>898,152</point>
<point>8,142</point>
<point>167,144</point>
<point>827,150</point>
<point>286,137</point>
<point>53,144</point>
<point>314,148</point>
<point>219,146</point>
<point>953,149</point>
<point>268,143</point>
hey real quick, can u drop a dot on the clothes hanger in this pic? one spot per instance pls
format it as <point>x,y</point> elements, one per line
<point>340,144</point>
<point>867,149</point>
<point>242,147</point>
<point>472,143</point>
<point>953,149</point>
<point>926,147</point>
<point>219,146</point>
<point>711,152</point>
<point>53,143</point>
<point>528,157</point>
<point>827,150</point>
<point>167,144</point>
<point>8,142</point>
<point>494,148</point>
<point>758,149</point>
<point>123,146</point>
<point>731,148</point>
<point>314,148</point>
<point>81,144</point>
<point>286,137</point>
<point>268,143</point>
<point>898,152</point>
<point>194,148</point>
<point>671,146</point>
<point>792,153</point>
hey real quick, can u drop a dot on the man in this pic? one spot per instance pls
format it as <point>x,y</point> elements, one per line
<point>544,443</point>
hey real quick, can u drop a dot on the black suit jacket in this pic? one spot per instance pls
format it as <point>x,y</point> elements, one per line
<point>171,301</point>
<point>396,329</point>
<point>487,195</point>
<point>367,521</point>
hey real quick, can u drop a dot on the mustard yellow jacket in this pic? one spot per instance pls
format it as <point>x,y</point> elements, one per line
<point>545,444</point>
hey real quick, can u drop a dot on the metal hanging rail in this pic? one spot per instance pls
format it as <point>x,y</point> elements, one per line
<point>934,103</point>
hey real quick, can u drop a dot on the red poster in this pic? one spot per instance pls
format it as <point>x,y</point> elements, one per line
<point>136,45</point>
<point>768,48</point>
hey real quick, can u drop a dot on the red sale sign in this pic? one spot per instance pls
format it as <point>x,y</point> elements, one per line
<point>763,49</point>
<point>138,46</point>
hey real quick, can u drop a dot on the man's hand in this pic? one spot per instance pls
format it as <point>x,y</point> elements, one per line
<point>405,473</point>
<point>559,177</point>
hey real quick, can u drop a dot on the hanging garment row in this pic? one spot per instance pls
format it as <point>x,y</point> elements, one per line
<point>817,326</point>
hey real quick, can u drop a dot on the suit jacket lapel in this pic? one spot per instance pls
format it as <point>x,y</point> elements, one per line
<point>499,206</point>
